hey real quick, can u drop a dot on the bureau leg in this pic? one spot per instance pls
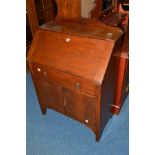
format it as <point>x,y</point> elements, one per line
<point>98,137</point>
<point>43,110</point>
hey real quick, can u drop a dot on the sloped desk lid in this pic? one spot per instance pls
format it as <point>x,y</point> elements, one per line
<point>90,52</point>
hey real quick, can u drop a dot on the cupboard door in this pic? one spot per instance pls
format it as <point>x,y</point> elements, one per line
<point>49,94</point>
<point>80,106</point>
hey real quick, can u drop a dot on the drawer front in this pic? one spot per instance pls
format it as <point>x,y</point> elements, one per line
<point>79,106</point>
<point>65,79</point>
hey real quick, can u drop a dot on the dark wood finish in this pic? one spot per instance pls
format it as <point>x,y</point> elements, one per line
<point>113,19</point>
<point>108,89</point>
<point>63,78</point>
<point>122,88</point>
<point>111,16</point>
<point>74,69</point>
<point>116,16</point>
<point>38,12</point>
<point>51,95</point>
<point>96,11</point>
<point>84,28</point>
<point>32,15</point>
<point>80,106</point>
<point>46,10</point>
<point>121,10</point>
<point>99,10</point>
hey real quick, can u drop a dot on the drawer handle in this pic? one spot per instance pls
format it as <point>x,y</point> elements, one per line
<point>44,74</point>
<point>86,121</point>
<point>65,103</point>
<point>77,86</point>
<point>68,40</point>
<point>39,70</point>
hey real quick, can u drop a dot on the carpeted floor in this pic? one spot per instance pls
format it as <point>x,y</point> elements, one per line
<point>56,134</point>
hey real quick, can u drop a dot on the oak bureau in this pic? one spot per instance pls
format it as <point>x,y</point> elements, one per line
<point>74,69</point>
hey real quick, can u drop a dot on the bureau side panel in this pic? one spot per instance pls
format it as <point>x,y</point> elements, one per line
<point>125,89</point>
<point>108,92</point>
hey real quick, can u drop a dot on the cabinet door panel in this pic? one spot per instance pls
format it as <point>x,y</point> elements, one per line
<point>49,94</point>
<point>79,106</point>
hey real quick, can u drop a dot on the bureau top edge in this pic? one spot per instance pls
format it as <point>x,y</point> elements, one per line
<point>83,28</point>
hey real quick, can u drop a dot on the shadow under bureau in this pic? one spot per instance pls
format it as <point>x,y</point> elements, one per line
<point>74,69</point>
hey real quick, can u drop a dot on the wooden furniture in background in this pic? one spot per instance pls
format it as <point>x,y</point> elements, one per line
<point>122,88</point>
<point>31,22</point>
<point>96,12</point>
<point>111,12</point>
<point>74,69</point>
<point>107,11</point>
<point>32,15</point>
<point>38,12</point>
<point>46,10</point>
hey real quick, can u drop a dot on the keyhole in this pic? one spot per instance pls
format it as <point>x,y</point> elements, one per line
<point>77,86</point>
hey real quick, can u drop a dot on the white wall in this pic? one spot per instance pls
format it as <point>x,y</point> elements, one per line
<point>87,6</point>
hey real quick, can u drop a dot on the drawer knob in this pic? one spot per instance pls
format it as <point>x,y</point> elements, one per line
<point>68,40</point>
<point>127,89</point>
<point>86,121</point>
<point>39,70</point>
<point>77,86</point>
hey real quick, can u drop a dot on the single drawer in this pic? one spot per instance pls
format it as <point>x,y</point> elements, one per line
<point>65,79</point>
<point>81,56</point>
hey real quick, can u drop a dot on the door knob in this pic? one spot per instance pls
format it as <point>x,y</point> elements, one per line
<point>68,40</point>
<point>38,69</point>
<point>86,121</point>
